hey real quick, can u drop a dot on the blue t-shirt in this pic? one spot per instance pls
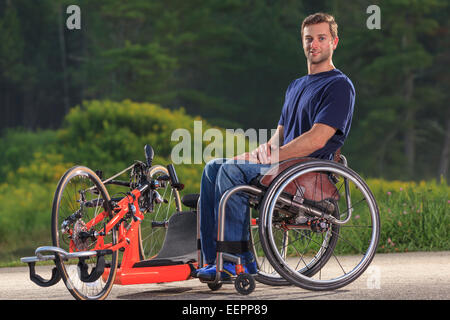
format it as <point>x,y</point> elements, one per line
<point>326,97</point>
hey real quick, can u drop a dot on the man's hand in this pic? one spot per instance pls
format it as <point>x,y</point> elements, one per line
<point>247,156</point>
<point>266,153</point>
<point>262,153</point>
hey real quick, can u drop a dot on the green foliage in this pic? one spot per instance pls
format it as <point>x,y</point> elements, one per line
<point>19,148</point>
<point>12,46</point>
<point>230,62</point>
<point>391,69</point>
<point>102,135</point>
<point>414,216</point>
<point>110,136</point>
<point>227,61</point>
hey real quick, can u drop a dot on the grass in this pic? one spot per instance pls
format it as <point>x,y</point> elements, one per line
<point>414,216</point>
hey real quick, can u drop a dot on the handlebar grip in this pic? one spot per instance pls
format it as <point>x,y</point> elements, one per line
<point>172,174</point>
<point>173,177</point>
<point>149,154</point>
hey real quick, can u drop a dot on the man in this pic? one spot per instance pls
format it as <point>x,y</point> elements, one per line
<point>314,122</point>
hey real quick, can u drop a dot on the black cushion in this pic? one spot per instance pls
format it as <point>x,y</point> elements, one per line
<point>190,200</point>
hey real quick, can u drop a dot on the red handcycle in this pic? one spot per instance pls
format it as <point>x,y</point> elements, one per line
<point>314,224</point>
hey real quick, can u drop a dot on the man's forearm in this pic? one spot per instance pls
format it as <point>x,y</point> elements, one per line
<point>301,146</point>
<point>307,143</point>
<point>277,139</point>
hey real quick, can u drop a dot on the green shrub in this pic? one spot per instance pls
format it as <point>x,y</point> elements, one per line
<point>18,147</point>
<point>414,216</point>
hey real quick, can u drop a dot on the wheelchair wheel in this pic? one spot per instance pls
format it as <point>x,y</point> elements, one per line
<point>244,284</point>
<point>319,225</point>
<point>152,230</point>
<point>266,273</point>
<point>79,197</point>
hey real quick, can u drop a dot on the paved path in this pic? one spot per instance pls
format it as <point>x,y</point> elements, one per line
<point>405,276</point>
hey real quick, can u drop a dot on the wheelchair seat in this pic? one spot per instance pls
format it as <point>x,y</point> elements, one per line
<point>312,186</point>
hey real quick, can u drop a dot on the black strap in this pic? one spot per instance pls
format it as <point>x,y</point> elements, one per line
<point>233,246</point>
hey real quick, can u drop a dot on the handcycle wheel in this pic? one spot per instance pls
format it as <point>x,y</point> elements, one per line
<point>152,230</point>
<point>79,197</point>
<point>317,253</point>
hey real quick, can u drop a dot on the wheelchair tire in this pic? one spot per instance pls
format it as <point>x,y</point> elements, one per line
<point>344,250</point>
<point>244,284</point>
<point>215,286</point>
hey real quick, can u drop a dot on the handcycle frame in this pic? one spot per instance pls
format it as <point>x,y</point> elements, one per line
<point>128,242</point>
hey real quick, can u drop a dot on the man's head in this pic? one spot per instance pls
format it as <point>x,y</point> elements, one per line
<point>319,37</point>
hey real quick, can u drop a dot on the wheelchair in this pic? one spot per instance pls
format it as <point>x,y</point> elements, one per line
<point>314,224</point>
<point>318,225</point>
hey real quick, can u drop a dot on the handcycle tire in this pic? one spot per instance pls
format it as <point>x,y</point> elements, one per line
<point>151,239</point>
<point>79,289</point>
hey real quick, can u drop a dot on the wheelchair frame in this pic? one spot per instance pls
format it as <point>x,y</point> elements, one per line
<point>256,192</point>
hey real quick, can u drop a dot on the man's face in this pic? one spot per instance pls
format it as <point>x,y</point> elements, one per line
<point>318,43</point>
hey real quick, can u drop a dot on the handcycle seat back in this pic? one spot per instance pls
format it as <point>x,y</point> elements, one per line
<point>180,243</point>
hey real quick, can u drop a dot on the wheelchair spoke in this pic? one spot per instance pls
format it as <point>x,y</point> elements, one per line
<point>348,242</point>
<point>340,265</point>
<point>353,206</point>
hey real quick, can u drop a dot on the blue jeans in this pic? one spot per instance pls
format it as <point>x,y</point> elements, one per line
<point>219,175</point>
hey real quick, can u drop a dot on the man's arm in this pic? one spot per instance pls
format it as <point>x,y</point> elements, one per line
<point>305,144</point>
<point>302,146</point>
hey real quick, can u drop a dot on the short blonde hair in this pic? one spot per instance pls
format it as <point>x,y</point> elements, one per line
<point>320,17</point>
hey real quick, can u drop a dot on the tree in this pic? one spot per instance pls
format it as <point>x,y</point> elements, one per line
<point>392,65</point>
